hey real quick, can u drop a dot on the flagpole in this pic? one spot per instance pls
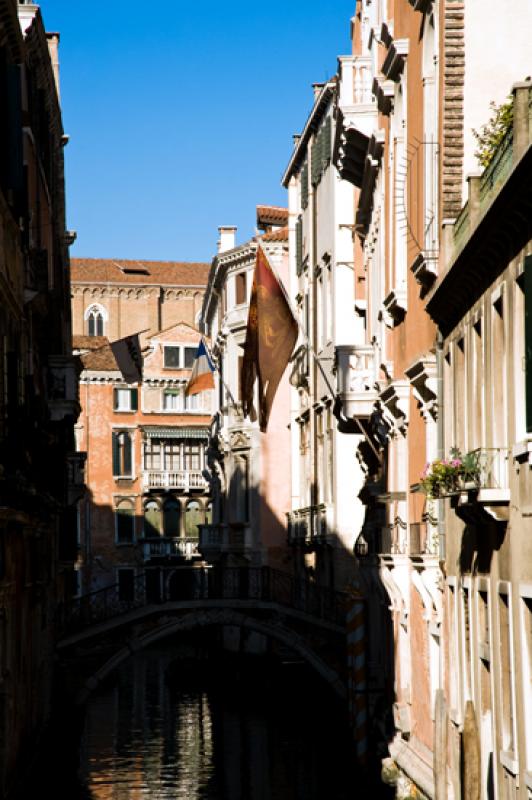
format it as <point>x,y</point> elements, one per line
<point>309,347</point>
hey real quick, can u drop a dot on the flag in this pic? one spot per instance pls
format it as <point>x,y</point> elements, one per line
<point>201,377</point>
<point>128,356</point>
<point>271,336</point>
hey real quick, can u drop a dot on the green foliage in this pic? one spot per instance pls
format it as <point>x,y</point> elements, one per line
<point>444,476</point>
<point>493,132</point>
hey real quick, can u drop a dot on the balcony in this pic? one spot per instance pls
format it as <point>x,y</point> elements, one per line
<point>218,538</point>
<point>355,379</point>
<point>76,476</point>
<point>482,486</point>
<point>62,388</point>
<point>182,480</point>
<point>309,526</point>
<point>183,547</point>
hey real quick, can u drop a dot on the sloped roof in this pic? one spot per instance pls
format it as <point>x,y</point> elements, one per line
<point>120,271</point>
<point>100,360</point>
<point>280,235</point>
<point>88,342</point>
<point>271,215</point>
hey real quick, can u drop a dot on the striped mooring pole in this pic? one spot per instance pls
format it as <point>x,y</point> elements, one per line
<point>356,681</point>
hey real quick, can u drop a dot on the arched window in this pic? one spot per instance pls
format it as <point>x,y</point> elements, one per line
<point>95,317</point>
<point>193,518</point>
<point>172,518</point>
<point>125,522</point>
<point>152,519</point>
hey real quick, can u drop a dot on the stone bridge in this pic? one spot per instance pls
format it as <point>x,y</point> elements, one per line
<point>104,628</point>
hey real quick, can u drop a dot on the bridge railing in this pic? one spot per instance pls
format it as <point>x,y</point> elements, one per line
<point>159,586</point>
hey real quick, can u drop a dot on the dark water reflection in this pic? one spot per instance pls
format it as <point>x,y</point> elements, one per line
<point>241,737</point>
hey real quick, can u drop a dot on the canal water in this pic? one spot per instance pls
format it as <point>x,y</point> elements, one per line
<point>172,726</point>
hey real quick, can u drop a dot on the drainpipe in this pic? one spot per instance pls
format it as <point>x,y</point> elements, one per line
<point>440,442</point>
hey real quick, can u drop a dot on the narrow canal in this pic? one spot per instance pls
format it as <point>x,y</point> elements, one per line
<point>172,725</point>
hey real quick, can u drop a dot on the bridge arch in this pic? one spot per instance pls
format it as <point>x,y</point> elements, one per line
<point>218,617</point>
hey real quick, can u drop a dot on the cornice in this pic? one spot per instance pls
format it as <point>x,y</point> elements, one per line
<point>312,124</point>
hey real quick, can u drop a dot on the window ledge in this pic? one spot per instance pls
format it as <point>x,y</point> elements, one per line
<point>509,761</point>
<point>125,478</point>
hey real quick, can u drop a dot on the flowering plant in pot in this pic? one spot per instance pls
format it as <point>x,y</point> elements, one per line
<point>446,475</point>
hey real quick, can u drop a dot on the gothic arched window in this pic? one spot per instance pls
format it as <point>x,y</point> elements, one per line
<point>95,317</point>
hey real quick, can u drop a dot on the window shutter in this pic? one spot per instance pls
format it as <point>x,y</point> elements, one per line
<point>127,453</point>
<point>116,455</point>
<point>528,341</point>
<point>299,246</point>
<point>115,399</point>
<point>326,155</point>
<point>304,186</point>
<point>134,399</point>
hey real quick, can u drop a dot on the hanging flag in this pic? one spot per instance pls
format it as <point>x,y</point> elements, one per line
<point>270,339</point>
<point>201,377</point>
<point>128,356</point>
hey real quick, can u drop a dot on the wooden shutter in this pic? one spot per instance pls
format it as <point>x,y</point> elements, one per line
<point>326,149</point>
<point>115,399</point>
<point>126,443</point>
<point>116,455</point>
<point>134,399</point>
<point>304,186</point>
<point>528,341</point>
<point>299,246</point>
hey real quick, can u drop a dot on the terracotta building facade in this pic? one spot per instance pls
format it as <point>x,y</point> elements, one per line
<point>145,439</point>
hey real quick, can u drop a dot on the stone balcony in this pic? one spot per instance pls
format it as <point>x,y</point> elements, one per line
<point>216,539</point>
<point>484,488</point>
<point>181,480</point>
<point>356,375</point>
<point>168,547</point>
<point>310,526</point>
<point>62,388</point>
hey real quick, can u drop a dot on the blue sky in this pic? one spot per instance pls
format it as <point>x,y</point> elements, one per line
<point>181,115</point>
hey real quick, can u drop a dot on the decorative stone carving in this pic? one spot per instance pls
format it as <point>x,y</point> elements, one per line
<point>423,378</point>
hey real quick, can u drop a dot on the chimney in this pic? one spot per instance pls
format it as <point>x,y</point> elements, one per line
<point>317,87</point>
<point>227,237</point>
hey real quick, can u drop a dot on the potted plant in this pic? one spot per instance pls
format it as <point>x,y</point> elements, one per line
<point>445,476</point>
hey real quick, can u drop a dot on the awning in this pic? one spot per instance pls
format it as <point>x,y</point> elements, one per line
<point>158,432</point>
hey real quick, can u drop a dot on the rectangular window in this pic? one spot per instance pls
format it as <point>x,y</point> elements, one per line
<point>192,456</point>
<point>172,455</point>
<point>526,622</point>
<point>172,357</point>
<point>190,356</point>
<point>125,399</point>
<point>240,288</point>
<point>505,656</point>
<point>122,454</point>
<point>152,454</point>
<point>172,400</point>
<point>192,402</point>
<point>126,585</point>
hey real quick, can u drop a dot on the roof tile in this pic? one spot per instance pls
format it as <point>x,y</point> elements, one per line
<point>164,273</point>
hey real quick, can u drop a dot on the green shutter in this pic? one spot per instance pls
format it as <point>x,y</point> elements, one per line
<point>299,246</point>
<point>304,186</point>
<point>127,453</point>
<point>134,399</point>
<point>326,152</point>
<point>528,341</point>
<point>116,455</point>
<point>115,391</point>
